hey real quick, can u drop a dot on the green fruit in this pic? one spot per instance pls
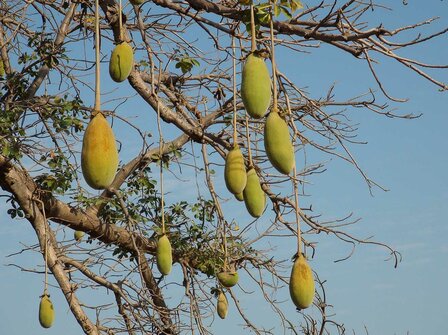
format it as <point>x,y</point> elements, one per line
<point>136,2</point>
<point>235,171</point>
<point>256,86</point>
<point>254,196</point>
<point>239,196</point>
<point>222,305</point>
<point>99,156</point>
<point>227,278</point>
<point>164,255</point>
<point>46,312</point>
<point>301,283</point>
<point>121,62</point>
<point>2,69</point>
<point>78,235</point>
<point>278,144</point>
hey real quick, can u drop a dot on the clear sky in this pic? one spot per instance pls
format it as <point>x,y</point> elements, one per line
<point>408,157</point>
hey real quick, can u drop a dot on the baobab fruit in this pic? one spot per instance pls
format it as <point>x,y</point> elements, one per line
<point>99,155</point>
<point>235,171</point>
<point>46,312</point>
<point>78,235</point>
<point>222,306</point>
<point>239,196</point>
<point>254,196</point>
<point>256,86</point>
<point>228,278</point>
<point>164,255</point>
<point>277,143</point>
<point>121,62</point>
<point>136,2</point>
<point>301,283</point>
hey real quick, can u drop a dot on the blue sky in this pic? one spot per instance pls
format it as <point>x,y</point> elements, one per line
<point>408,157</point>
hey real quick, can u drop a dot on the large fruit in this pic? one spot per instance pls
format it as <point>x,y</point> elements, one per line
<point>99,156</point>
<point>228,278</point>
<point>277,143</point>
<point>121,62</point>
<point>222,306</point>
<point>301,283</point>
<point>46,312</point>
<point>235,171</point>
<point>254,196</point>
<point>164,255</point>
<point>256,86</point>
<point>78,235</point>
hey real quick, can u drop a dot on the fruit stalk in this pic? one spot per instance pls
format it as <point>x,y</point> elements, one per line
<point>97,107</point>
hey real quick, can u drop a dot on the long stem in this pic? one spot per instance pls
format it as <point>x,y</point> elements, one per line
<point>248,142</point>
<point>274,67</point>
<point>234,93</point>
<point>159,127</point>
<point>120,21</point>
<point>252,29</point>
<point>97,107</point>
<point>296,204</point>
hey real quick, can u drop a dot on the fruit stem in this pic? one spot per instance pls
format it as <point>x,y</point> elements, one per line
<point>274,67</point>
<point>252,29</point>
<point>162,199</point>
<point>97,107</point>
<point>296,204</point>
<point>120,22</point>
<point>234,93</point>
<point>248,143</point>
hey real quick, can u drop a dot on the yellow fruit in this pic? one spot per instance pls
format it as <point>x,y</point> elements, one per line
<point>239,196</point>
<point>46,312</point>
<point>164,255</point>
<point>254,196</point>
<point>277,143</point>
<point>136,2</point>
<point>301,283</point>
<point>235,171</point>
<point>256,86</point>
<point>99,156</point>
<point>78,235</point>
<point>222,305</point>
<point>227,278</point>
<point>121,62</point>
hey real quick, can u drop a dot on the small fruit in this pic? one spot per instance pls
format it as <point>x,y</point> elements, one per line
<point>164,255</point>
<point>136,2</point>
<point>301,283</point>
<point>256,86</point>
<point>121,62</point>
<point>99,156</point>
<point>235,171</point>
<point>278,144</point>
<point>222,306</point>
<point>254,196</point>
<point>46,312</point>
<point>239,196</point>
<point>78,235</point>
<point>228,278</point>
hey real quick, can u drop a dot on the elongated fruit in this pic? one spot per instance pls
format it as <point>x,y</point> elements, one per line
<point>301,283</point>
<point>222,306</point>
<point>2,69</point>
<point>228,278</point>
<point>277,143</point>
<point>256,86</point>
<point>121,62</point>
<point>164,255</point>
<point>78,235</point>
<point>99,156</point>
<point>235,171</point>
<point>46,312</point>
<point>254,196</point>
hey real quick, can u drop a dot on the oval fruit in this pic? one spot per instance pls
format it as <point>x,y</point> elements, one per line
<point>121,62</point>
<point>277,143</point>
<point>78,235</point>
<point>222,306</point>
<point>164,255</point>
<point>99,156</point>
<point>254,196</point>
<point>235,171</point>
<point>228,279</point>
<point>301,283</point>
<point>46,312</point>
<point>256,86</point>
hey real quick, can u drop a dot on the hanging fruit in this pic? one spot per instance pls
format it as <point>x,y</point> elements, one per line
<point>222,306</point>
<point>235,171</point>
<point>121,62</point>
<point>46,311</point>
<point>164,256</point>
<point>78,234</point>
<point>301,283</point>
<point>277,143</point>
<point>254,196</point>
<point>99,156</point>
<point>228,278</point>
